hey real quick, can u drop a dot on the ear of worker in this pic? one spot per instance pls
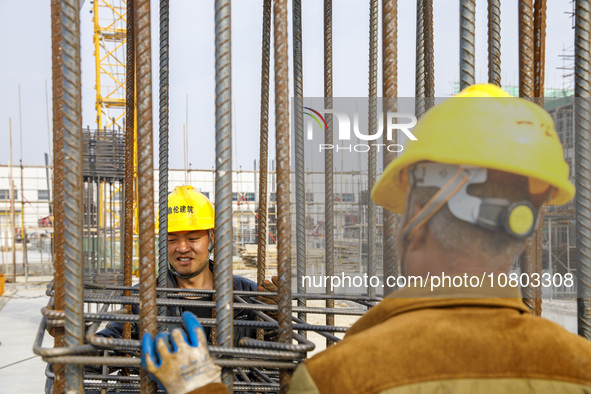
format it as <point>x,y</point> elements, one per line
<point>179,361</point>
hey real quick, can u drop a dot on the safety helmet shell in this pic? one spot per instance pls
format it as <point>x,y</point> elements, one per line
<point>189,210</point>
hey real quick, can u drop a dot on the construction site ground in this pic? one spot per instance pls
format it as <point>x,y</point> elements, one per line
<point>23,372</point>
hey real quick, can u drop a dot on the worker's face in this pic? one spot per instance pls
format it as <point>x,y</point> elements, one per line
<point>187,251</point>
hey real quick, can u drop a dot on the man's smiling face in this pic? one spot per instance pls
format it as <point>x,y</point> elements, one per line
<point>188,251</point>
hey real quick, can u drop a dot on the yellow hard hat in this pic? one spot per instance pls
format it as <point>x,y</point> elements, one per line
<point>189,210</point>
<point>497,131</point>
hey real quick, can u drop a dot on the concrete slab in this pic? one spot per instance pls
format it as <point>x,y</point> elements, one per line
<point>20,370</point>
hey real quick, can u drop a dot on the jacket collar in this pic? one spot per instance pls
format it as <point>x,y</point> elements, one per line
<point>415,298</point>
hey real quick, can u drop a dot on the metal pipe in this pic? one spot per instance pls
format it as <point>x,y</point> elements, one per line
<point>300,187</point>
<point>223,180</point>
<point>372,154</point>
<point>494,42</point>
<point>467,34</point>
<point>391,226</point>
<point>283,176</point>
<point>73,194</point>
<point>145,169</point>
<point>328,161</point>
<point>583,160</point>
<point>129,158</point>
<point>58,181</point>
<point>264,150</point>
<point>163,154</point>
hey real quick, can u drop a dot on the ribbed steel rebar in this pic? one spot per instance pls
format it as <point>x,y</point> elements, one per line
<point>372,154</point>
<point>328,159</point>
<point>73,194</point>
<point>298,116</point>
<point>390,93</point>
<point>163,156</point>
<point>526,48</point>
<point>283,177</point>
<point>145,149</point>
<point>264,150</point>
<point>129,159</point>
<point>420,63</point>
<point>467,34</point>
<point>494,42</point>
<point>583,160</point>
<point>58,182</point>
<point>539,49</point>
<point>429,54</point>
<point>223,179</point>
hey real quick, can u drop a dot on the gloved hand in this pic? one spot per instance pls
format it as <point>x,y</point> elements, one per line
<point>178,363</point>
<point>269,285</point>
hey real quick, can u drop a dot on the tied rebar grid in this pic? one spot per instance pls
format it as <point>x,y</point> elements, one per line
<point>467,32</point>
<point>58,182</point>
<point>583,160</point>
<point>72,185</point>
<point>539,49</point>
<point>223,180</point>
<point>529,260</point>
<point>129,159</point>
<point>283,178</point>
<point>264,150</point>
<point>163,158</point>
<point>494,42</point>
<point>145,170</point>
<point>391,225</point>
<point>298,116</point>
<point>328,160</point>
<point>372,154</point>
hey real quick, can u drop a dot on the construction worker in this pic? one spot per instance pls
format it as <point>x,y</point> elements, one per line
<point>469,190</point>
<point>191,219</point>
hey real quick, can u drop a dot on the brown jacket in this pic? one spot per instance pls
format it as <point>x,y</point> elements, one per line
<point>461,342</point>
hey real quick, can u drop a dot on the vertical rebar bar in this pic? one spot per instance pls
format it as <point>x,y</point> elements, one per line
<point>283,178</point>
<point>163,155</point>
<point>372,154</point>
<point>73,195</point>
<point>420,65</point>
<point>264,149</point>
<point>583,160</point>
<point>145,170</point>
<point>494,42</point>
<point>129,160</point>
<point>467,31</point>
<point>328,160</point>
<point>58,182</point>
<point>390,93</point>
<point>223,180</point>
<point>539,48</point>
<point>429,54</point>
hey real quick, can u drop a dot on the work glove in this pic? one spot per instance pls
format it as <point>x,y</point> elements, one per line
<point>178,363</point>
<point>269,285</point>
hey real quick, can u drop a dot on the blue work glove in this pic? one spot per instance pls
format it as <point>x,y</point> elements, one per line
<point>179,363</point>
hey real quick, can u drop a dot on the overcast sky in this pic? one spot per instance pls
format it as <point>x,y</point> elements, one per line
<point>26,60</point>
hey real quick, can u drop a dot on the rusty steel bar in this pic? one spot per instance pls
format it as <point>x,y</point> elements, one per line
<point>73,198</point>
<point>421,61</point>
<point>129,160</point>
<point>58,182</point>
<point>264,150</point>
<point>467,33</point>
<point>372,154</point>
<point>529,263</point>
<point>163,156</point>
<point>390,93</point>
<point>300,184</point>
<point>328,160</point>
<point>223,180</point>
<point>145,170</point>
<point>583,160</point>
<point>283,178</point>
<point>494,42</point>
<point>539,49</point>
<point>429,54</point>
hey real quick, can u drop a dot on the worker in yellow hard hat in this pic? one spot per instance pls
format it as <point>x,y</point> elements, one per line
<point>469,189</point>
